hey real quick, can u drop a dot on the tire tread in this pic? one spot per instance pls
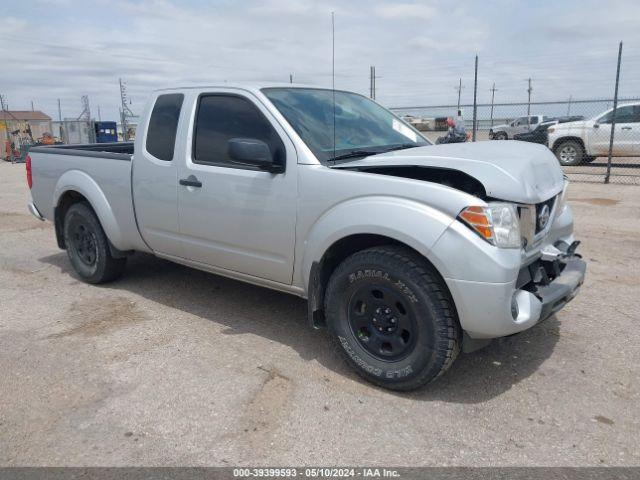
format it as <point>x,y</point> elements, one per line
<point>448,328</point>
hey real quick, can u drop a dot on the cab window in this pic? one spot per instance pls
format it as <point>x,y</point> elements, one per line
<point>163,126</point>
<point>221,117</point>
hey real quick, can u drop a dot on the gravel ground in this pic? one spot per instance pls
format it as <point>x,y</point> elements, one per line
<point>171,366</point>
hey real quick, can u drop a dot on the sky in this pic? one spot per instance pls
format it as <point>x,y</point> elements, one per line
<point>63,49</point>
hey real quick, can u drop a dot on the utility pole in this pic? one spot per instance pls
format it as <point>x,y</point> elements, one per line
<point>291,78</point>
<point>459,89</point>
<point>613,114</point>
<point>86,110</point>
<point>493,96</point>
<point>475,101</point>
<point>32,109</point>
<point>59,111</point>
<point>5,107</point>
<point>569,106</point>
<point>529,90</point>
<point>99,116</point>
<point>86,117</point>
<point>125,111</point>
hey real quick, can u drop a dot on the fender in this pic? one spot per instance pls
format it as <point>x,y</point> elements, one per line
<point>82,183</point>
<point>412,223</point>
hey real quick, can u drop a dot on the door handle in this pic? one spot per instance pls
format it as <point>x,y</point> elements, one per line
<point>190,181</point>
<point>625,128</point>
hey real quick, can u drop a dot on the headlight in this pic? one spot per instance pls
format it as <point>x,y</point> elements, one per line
<point>562,200</point>
<point>497,223</point>
<point>551,130</point>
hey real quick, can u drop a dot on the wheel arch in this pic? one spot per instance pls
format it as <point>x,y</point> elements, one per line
<point>74,187</point>
<point>390,223</point>
<point>560,140</point>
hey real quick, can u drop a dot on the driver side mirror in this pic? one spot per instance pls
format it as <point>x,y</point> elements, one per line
<point>252,152</point>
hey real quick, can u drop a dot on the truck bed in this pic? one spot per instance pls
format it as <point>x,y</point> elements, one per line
<point>116,150</point>
<point>100,171</point>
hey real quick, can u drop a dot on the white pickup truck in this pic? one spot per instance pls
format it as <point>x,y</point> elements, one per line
<point>408,252</point>
<point>518,126</point>
<point>575,143</point>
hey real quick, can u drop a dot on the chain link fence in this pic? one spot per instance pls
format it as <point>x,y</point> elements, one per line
<point>595,140</point>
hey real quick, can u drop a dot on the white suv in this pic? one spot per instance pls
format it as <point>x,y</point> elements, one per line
<point>579,142</point>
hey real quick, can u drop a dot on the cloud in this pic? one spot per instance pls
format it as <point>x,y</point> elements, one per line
<point>80,48</point>
<point>405,11</point>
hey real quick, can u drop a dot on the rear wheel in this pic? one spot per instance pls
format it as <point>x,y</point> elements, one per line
<point>391,317</point>
<point>88,247</point>
<point>570,153</point>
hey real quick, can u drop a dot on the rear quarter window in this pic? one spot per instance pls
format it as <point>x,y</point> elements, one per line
<point>163,126</point>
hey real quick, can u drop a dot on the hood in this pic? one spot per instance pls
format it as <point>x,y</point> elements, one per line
<point>511,170</point>
<point>500,127</point>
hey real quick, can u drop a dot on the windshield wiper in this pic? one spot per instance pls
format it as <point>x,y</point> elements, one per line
<point>354,154</point>
<point>366,153</point>
<point>402,147</point>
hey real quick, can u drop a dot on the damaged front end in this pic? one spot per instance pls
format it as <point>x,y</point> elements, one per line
<point>554,278</point>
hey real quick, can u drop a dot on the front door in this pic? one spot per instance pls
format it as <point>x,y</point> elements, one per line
<point>236,217</point>
<point>626,139</point>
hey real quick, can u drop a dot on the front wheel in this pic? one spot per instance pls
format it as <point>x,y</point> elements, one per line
<point>569,153</point>
<point>500,136</point>
<point>88,247</point>
<point>391,317</point>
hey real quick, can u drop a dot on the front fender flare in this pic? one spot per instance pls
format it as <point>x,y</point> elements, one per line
<point>417,225</point>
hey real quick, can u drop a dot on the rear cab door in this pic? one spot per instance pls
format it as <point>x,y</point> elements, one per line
<point>154,176</point>
<point>238,218</point>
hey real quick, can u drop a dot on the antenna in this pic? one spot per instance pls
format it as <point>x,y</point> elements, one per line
<point>333,77</point>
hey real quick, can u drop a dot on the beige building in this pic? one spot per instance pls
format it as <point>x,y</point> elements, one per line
<point>22,122</point>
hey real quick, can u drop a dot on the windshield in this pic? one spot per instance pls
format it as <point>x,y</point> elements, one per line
<point>362,127</point>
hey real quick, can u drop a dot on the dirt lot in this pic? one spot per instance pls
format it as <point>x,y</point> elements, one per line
<point>171,366</point>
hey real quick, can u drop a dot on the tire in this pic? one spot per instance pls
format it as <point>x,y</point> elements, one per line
<point>569,153</point>
<point>391,318</point>
<point>88,247</point>
<point>500,136</point>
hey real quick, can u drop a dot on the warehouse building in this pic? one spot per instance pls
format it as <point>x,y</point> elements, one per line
<point>25,123</point>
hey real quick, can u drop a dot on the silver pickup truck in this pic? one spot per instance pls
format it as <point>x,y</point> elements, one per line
<point>407,252</point>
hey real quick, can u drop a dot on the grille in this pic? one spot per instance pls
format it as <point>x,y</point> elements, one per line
<point>532,229</point>
<point>544,212</point>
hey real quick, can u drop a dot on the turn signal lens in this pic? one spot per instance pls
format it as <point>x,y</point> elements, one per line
<point>497,223</point>
<point>476,218</point>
